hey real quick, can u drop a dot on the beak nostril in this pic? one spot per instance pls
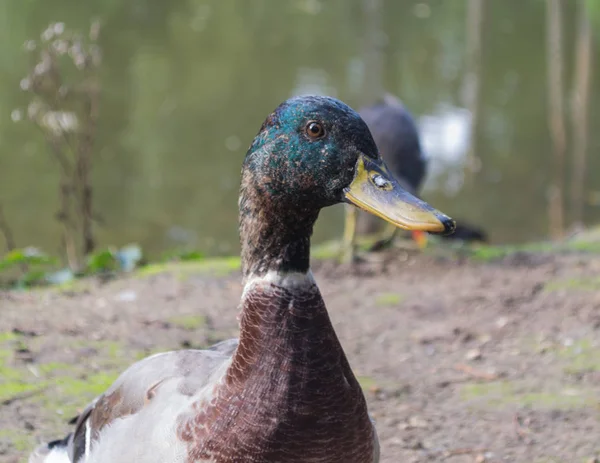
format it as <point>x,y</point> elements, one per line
<point>377,192</point>
<point>380,182</point>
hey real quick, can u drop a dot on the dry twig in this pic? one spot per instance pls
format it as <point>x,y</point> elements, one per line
<point>6,231</point>
<point>476,373</point>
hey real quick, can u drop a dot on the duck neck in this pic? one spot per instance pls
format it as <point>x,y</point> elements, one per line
<point>283,315</point>
<point>274,236</point>
<point>289,393</point>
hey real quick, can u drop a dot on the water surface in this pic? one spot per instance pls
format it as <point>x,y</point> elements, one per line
<point>187,83</point>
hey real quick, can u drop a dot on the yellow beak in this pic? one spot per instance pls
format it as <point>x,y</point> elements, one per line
<point>376,191</point>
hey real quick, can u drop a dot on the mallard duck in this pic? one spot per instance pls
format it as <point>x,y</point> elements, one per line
<point>284,392</point>
<point>396,135</point>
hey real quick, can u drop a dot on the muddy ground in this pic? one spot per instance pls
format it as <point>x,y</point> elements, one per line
<point>461,360</point>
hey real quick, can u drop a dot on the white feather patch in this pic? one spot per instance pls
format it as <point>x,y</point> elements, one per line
<point>289,280</point>
<point>88,436</point>
<point>57,455</point>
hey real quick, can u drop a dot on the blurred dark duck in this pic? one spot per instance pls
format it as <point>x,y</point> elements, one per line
<point>396,135</point>
<point>284,392</point>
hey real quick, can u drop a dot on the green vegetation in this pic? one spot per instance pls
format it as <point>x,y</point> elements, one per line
<point>30,268</point>
<point>367,383</point>
<point>19,440</point>
<point>499,394</point>
<point>188,322</point>
<point>222,266</point>
<point>577,284</point>
<point>581,356</point>
<point>88,386</point>
<point>27,256</point>
<point>594,12</point>
<point>59,389</point>
<point>26,266</point>
<point>387,299</point>
<point>14,382</point>
<point>65,386</point>
<point>486,253</point>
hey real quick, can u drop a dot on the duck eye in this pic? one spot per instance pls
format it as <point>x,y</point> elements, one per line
<point>315,130</point>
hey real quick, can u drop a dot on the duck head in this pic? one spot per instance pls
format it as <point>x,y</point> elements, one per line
<point>315,151</point>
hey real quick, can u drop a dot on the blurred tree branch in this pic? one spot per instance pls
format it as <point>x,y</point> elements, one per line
<point>373,86</point>
<point>556,118</point>
<point>6,231</point>
<point>580,110</point>
<point>473,80</point>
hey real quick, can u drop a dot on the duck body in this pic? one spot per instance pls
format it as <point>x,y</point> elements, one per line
<point>268,400</point>
<point>284,391</point>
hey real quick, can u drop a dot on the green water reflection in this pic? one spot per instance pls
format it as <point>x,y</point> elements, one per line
<point>187,83</point>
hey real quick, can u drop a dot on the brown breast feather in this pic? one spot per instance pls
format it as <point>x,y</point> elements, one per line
<point>289,394</point>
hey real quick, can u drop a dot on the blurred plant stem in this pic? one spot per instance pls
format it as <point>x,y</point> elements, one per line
<point>472,83</point>
<point>373,87</point>
<point>6,231</point>
<point>580,111</point>
<point>556,118</point>
<point>65,88</point>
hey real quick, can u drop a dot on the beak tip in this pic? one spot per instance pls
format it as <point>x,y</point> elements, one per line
<point>448,223</point>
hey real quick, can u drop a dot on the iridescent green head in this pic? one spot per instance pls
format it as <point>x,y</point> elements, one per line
<point>307,149</point>
<point>316,151</point>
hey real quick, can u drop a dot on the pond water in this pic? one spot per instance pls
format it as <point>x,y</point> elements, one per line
<point>187,83</point>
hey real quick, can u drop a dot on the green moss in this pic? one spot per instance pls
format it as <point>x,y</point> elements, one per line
<point>148,352</point>
<point>387,299</point>
<point>502,393</point>
<point>477,251</point>
<point>73,286</point>
<point>107,350</point>
<point>582,356</point>
<point>17,439</point>
<point>16,382</point>
<point>549,400</point>
<point>113,349</point>
<point>491,389</point>
<point>68,393</point>
<point>13,381</point>
<point>13,389</point>
<point>487,253</point>
<point>54,367</point>
<point>89,387</point>
<point>8,374</point>
<point>366,382</point>
<point>222,266</point>
<point>188,322</point>
<point>585,246</point>
<point>575,284</point>
<point>60,390</point>
<point>6,336</point>
<point>63,382</point>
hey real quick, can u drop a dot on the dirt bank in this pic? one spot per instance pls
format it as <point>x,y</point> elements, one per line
<point>461,360</point>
